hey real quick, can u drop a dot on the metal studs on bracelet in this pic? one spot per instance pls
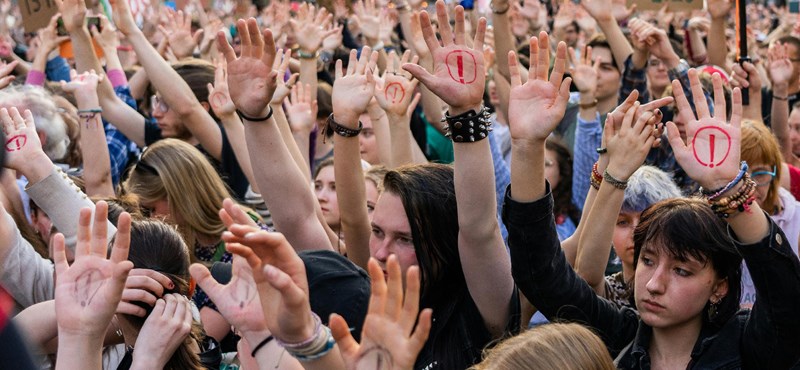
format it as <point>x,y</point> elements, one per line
<point>469,126</point>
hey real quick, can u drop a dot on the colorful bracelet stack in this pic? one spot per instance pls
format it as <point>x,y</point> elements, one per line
<point>315,347</point>
<point>739,202</point>
<point>595,178</point>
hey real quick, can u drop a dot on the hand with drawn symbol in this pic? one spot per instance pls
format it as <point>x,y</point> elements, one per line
<point>394,91</point>
<point>22,144</point>
<point>711,152</point>
<point>459,74</point>
<point>88,291</point>
<point>218,94</point>
<point>392,337</point>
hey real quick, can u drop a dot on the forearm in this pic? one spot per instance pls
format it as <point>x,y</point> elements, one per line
<point>503,88</point>
<point>287,192</point>
<point>301,160</point>
<point>527,171</point>
<point>593,251</point>
<point>698,47</point>
<point>432,107</point>
<point>503,38</point>
<point>717,44</point>
<point>38,65</point>
<point>83,49</point>
<point>780,119</point>
<point>401,138</point>
<point>62,200</point>
<point>96,160</point>
<point>139,83</point>
<point>383,134</point>
<point>112,58</point>
<point>234,129</point>
<point>38,322</point>
<point>351,194</point>
<point>619,44</point>
<point>79,352</point>
<point>308,73</point>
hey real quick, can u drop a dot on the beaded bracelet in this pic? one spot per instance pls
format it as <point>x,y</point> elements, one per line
<point>320,351</point>
<point>619,184</point>
<point>739,202</point>
<point>714,194</point>
<point>595,178</point>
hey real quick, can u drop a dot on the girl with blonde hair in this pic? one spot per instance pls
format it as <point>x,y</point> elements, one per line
<point>550,346</point>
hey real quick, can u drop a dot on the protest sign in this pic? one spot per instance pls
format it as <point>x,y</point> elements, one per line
<point>36,14</point>
<point>673,5</point>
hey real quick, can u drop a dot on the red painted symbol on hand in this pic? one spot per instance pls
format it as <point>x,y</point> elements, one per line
<point>719,146</point>
<point>466,67</point>
<point>219,100</point>
<point>16,143</point>
<point>394,92</point>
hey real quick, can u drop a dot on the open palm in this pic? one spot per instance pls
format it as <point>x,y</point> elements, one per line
<point>711,155</point>
<point>536,107</point>
<point>459,73</point>
<point>251,80</point>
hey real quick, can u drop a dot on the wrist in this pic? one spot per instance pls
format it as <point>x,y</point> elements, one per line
<point>672,61</point>
<point>780,89</point>
<point>87,99</point>
<point>346,119</point>
<point>616,172</point>
<point>605,20</point>
<point>254,337</point>
<point>454,111</point>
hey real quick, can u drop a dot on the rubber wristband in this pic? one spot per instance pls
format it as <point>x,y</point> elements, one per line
<point>262,344</point>
<point>254,119</point>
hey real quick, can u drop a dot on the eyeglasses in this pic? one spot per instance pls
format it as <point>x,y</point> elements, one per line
<point>764,178</point>
<point>156,102</point>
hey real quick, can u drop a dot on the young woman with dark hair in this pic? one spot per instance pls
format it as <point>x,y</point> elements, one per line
<point>687,254</point>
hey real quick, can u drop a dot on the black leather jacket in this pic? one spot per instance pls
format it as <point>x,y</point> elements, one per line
<point>768,337</point>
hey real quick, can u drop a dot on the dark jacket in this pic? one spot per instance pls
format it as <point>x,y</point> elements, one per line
<point>768,337</point>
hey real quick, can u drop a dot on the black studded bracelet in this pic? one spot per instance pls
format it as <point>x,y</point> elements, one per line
<point>469,126</point>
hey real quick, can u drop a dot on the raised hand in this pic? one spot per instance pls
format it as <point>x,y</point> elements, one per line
<point>529,9</point>
<point>459,72</point>
<point>282,88</point>
<point>389,339</point>
<point>369,17</point>
<point>178,30</point>
<point>618,114</point>
<point>73,14</point>
<point>83,86</point>
<point>301,109</point>
<point>251,80</point>
<point>237,301</point>
<point>164,330</point>
<point>309,29</point>
<point>6,78</point>
<point>719,8</point>
<point>48,36</point>
<point>536,107</point>
<point>585,71</point>
<point>88,291</point>
<point>334,39</point>
<point>218,94</point>
<point>600,10</point>
<point>780,67</point>
<point>280,276</point>
<point>416,39</point>
<point>711,154</point>
<point>394,90</point>
<point>123,18</point>
<point>628,146</point>
<point>22,144</point>
<point>353,90</point>
<point>106,37</point>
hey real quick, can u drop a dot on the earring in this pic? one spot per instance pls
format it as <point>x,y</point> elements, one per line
<point>712,310</point>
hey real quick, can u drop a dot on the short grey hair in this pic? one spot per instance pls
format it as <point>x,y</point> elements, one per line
<point>647,186</point>
<point>46,116</point>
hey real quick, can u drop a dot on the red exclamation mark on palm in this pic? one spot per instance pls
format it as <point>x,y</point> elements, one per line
<point>460,65</point>
<point>711,150</point>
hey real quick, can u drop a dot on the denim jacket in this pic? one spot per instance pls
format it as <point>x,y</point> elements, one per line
<point>765,338</point>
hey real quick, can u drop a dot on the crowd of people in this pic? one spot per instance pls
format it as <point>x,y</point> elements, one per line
<point>378,184</point>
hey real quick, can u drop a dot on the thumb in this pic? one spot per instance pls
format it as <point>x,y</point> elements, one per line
<point>210,88</point>
<point>420,74</point>
<point>198,36</point>
<point>341,332</point>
